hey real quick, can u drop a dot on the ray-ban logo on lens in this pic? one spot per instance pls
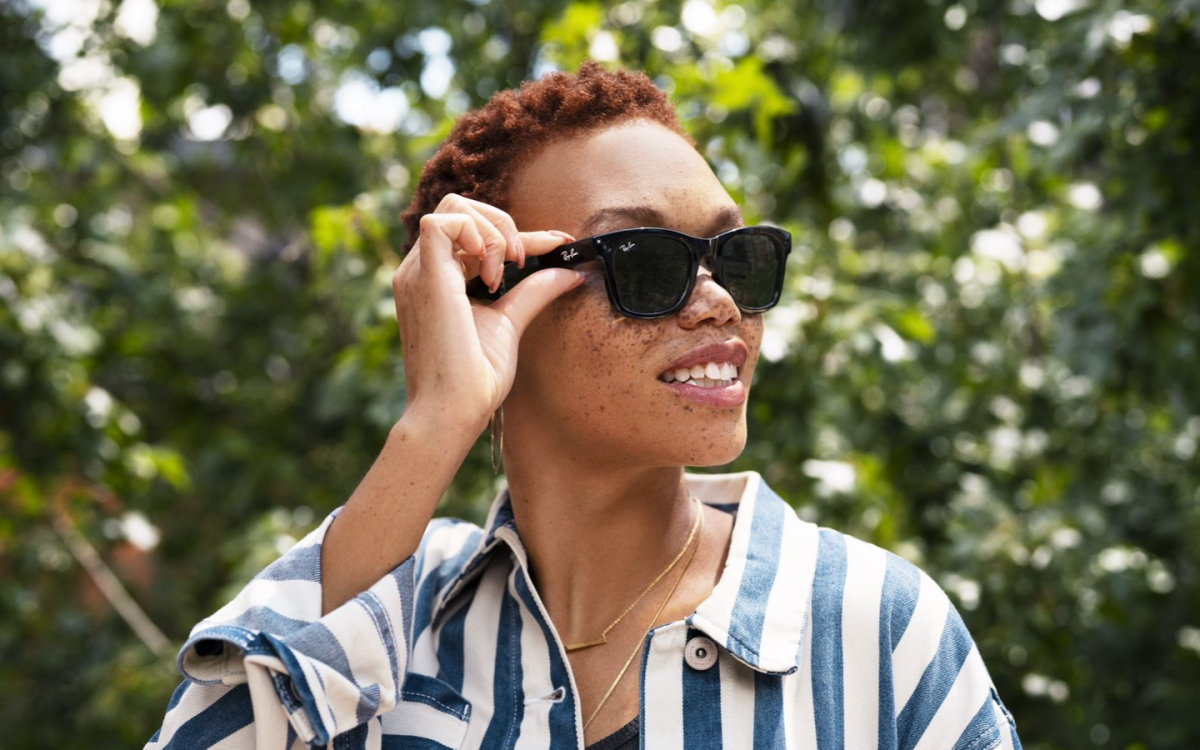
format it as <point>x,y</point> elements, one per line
<point>568,256</point>
<point>626,247</point>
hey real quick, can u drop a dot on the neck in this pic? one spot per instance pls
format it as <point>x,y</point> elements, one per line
<point>595,533</point>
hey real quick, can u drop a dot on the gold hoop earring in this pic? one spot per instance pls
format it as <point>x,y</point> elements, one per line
<point>497,425</point>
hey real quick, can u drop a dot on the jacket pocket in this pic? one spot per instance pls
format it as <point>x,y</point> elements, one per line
<point>429,711</point>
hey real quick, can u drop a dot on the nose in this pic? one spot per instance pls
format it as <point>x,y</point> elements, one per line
<point>709,301</point>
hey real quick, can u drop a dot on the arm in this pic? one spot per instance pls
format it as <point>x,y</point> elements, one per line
<point>944,696</point>
<point>277,663</point>
<point>319,642</point>
<point>382,523</point>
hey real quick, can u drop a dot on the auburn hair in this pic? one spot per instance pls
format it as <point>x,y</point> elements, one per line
<point>485,145</point>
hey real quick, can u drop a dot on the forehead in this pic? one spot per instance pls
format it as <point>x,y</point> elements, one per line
<point>633,164</point>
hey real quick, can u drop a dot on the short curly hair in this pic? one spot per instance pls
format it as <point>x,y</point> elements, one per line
<point>477,158</point>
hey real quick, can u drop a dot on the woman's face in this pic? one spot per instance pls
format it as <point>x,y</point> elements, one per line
<point>585,370</point>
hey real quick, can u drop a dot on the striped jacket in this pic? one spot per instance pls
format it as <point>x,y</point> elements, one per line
<point>823,641</point>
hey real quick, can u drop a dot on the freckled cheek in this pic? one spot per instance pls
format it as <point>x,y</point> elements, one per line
<point>600,350</point>
<point>751,331</point>
<point>564,333</point>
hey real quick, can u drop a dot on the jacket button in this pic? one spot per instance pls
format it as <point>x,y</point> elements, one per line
<point>700,653</point>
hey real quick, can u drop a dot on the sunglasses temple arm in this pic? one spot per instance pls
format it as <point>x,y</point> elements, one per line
<point>564,256</point>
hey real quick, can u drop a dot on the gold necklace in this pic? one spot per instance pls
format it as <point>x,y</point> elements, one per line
<point>611,688</point>
<point>604,635</point>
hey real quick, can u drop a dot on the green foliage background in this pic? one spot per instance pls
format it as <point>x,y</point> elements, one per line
<point>986,358</point>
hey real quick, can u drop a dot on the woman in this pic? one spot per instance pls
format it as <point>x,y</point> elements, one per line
<point>639,605</point>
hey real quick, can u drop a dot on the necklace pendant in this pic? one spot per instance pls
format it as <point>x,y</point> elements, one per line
<point>585,644</point>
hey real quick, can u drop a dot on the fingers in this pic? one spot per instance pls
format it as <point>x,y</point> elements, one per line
<point>540,243</point>
<point>526,300</point>
<point>532,243</point>
<point>486,237</point>
<point>440,232</point>
<point>543,241</point>
<point>494,226</point>
<point>507,228</point>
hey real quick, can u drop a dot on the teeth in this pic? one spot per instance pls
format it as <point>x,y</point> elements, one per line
<point>719,373</point>
<point>709,383</point>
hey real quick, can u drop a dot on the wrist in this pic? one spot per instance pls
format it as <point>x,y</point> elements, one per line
<point>426,424</point>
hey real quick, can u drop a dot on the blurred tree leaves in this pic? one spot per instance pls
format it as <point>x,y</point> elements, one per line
<point>985,358</point>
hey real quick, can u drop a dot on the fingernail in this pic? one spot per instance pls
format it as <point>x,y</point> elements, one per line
<point>557,233</point>
<point>520,253</point>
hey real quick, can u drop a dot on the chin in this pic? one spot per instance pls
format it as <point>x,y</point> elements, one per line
<point>718,450</point>
<point>710,458</point>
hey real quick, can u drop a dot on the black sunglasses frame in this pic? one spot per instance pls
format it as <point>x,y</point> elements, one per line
<point>602,246</point>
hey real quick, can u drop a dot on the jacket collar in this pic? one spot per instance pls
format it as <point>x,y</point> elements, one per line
<point>759,606</point>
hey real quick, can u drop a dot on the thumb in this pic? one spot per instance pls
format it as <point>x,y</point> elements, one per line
<point>526,300</point>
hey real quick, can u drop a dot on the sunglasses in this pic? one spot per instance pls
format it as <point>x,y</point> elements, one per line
<point>649,272</point>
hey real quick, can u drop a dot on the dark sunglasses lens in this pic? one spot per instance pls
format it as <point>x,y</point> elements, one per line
<point>651,272</point>
<point>752,269</point>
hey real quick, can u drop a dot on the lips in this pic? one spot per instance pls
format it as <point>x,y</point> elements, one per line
<point>732,395</point>
<point>727,351</point>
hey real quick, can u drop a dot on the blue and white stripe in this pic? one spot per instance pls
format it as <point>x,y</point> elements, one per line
<point>824,641</point>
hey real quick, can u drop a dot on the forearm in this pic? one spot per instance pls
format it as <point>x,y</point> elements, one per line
<point>382,523</point>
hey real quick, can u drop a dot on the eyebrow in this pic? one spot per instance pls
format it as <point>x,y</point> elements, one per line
<point>613,217</point>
